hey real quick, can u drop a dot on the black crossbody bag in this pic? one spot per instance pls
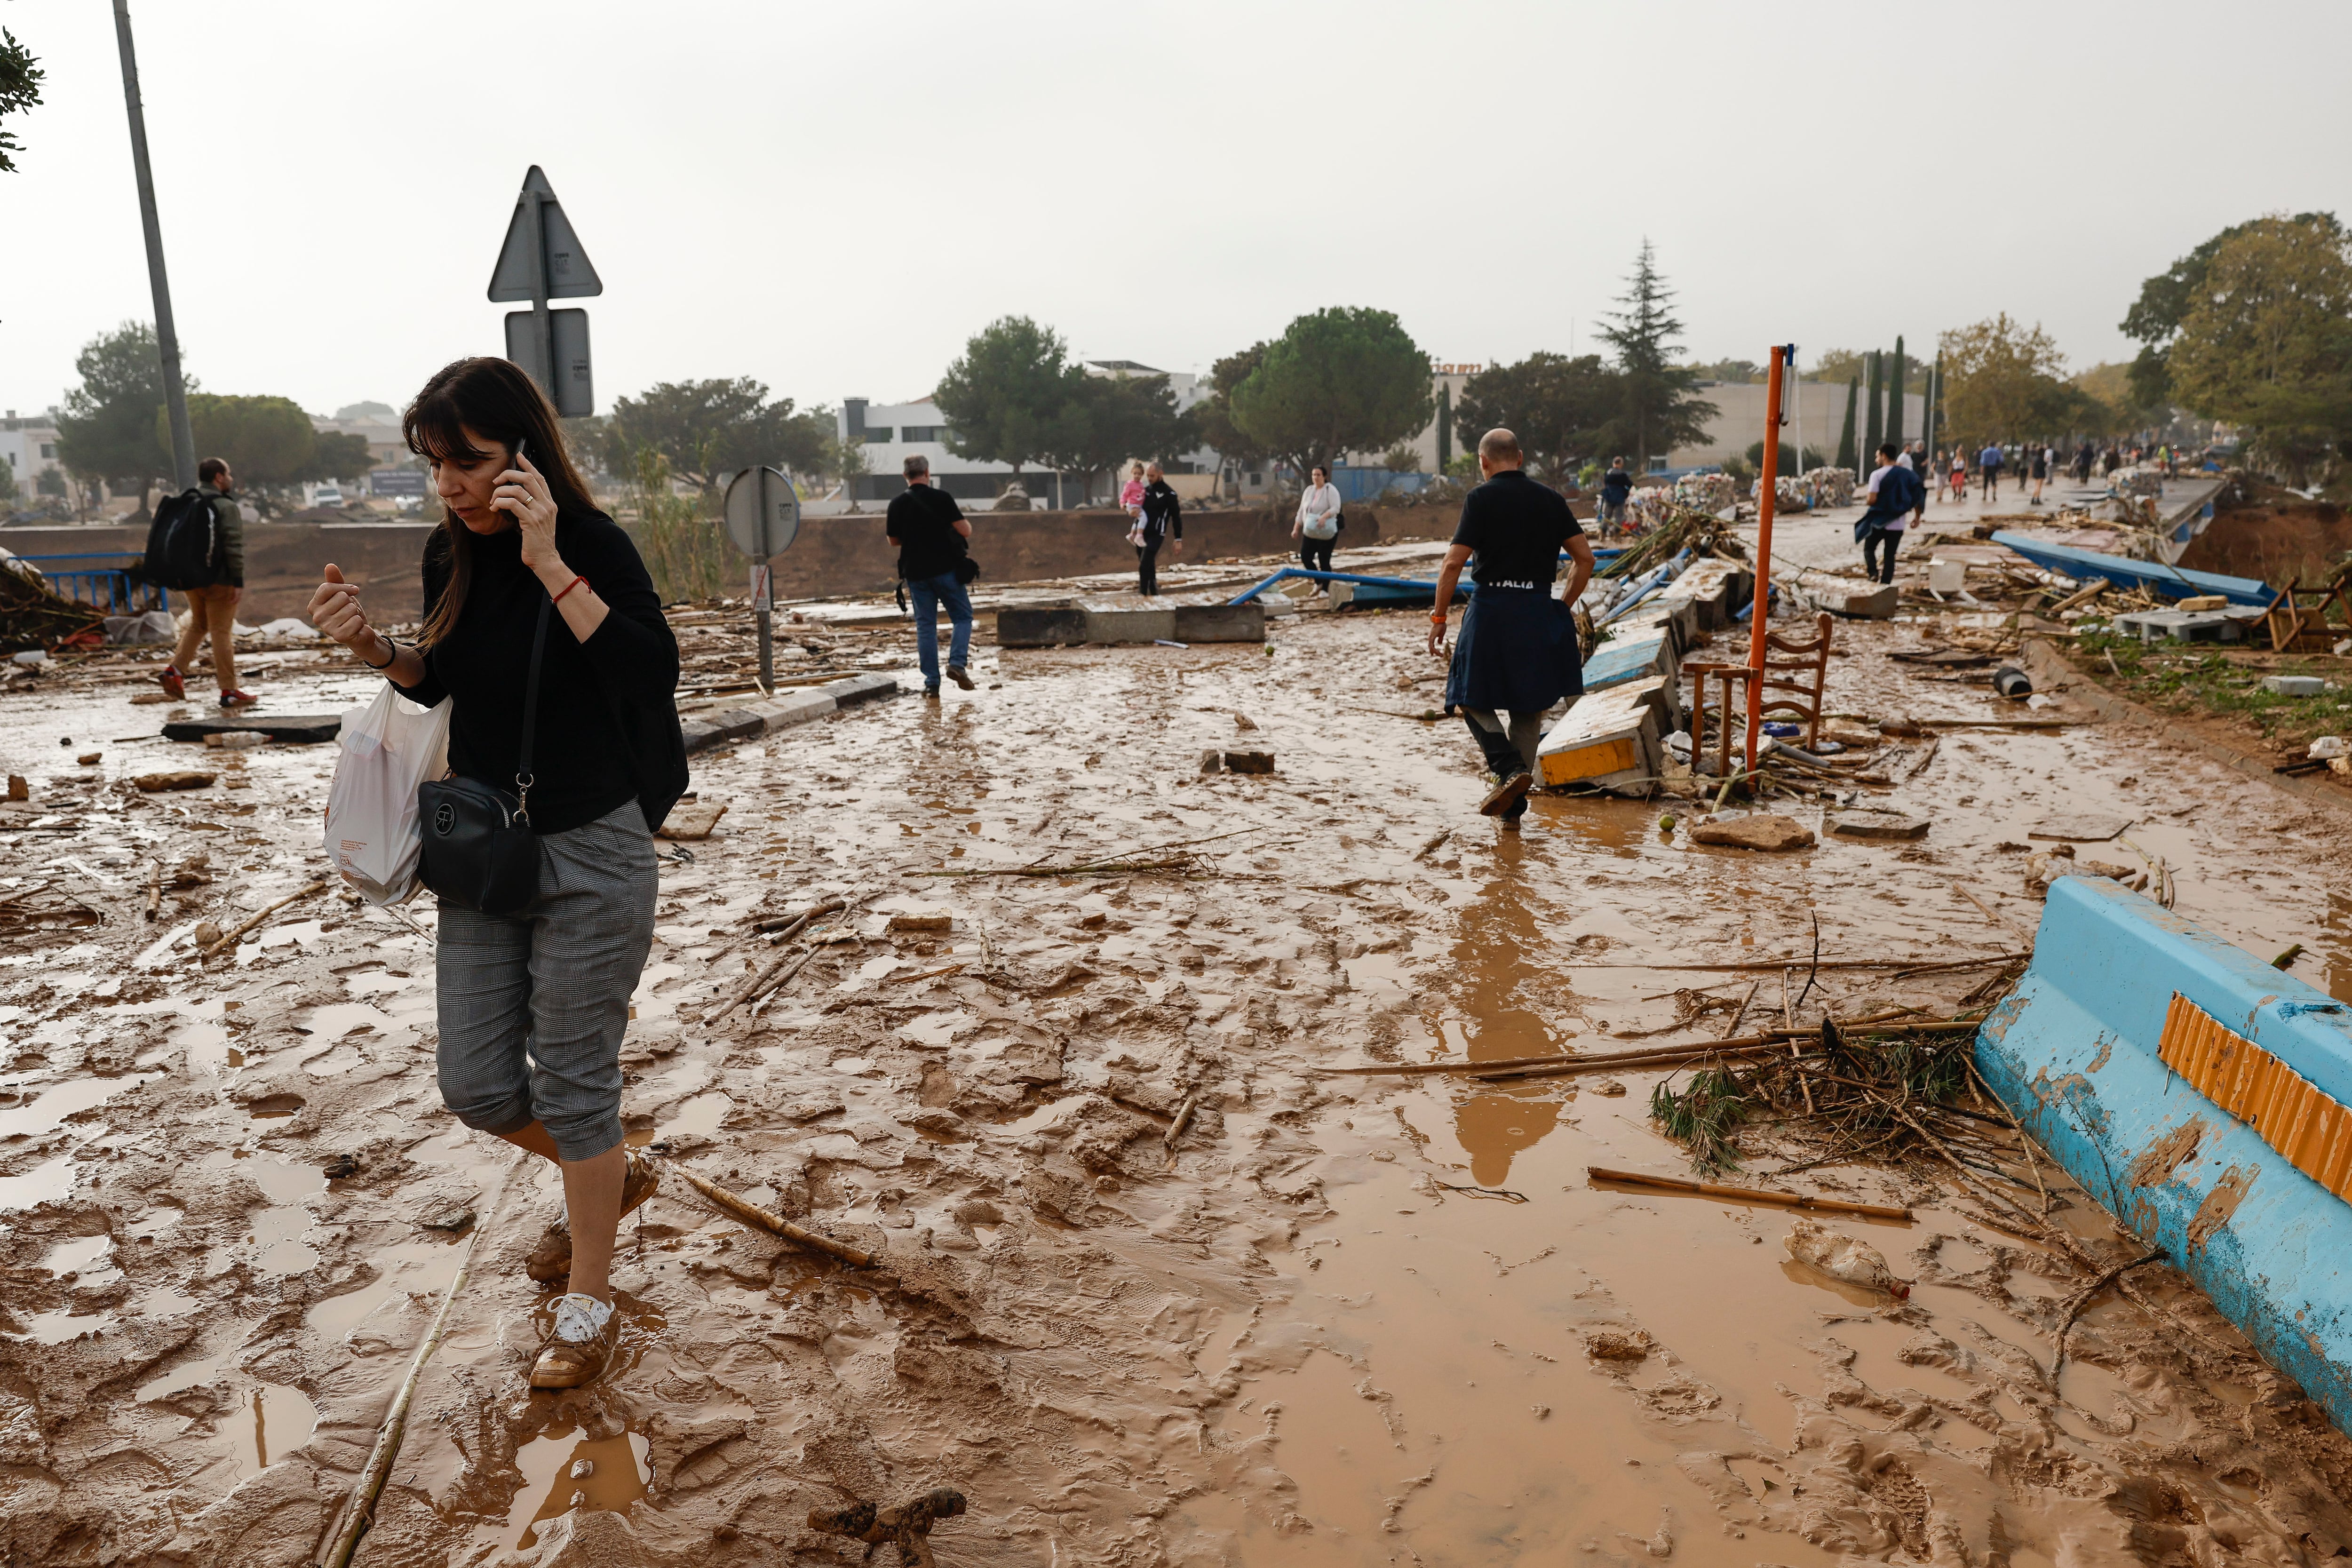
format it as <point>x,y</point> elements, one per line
<point>480,850</point>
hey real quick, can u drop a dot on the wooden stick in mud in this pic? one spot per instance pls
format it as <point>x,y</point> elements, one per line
<point>1747,1194</point>
<point>229,938</point>
<point>775,1224</point>
<point>1968,893</point>
<point>790,926</point>
<point>395,1426</point>
<point>1183,1119</point>
<point>1770,1040</point>
<point>1914,965</point>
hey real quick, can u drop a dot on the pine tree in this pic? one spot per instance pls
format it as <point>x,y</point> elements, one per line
<point>1874,418</point>
<point>1895,399</point>
<point>1659,411</point>
<point>1845,457</point>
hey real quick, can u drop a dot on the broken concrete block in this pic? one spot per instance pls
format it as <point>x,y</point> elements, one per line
<point>1624,658</point>
<point>2295,685</point>
<point>1878,825</point>
<point>156,784</point>
<point>18,788</point>
<point>1764,830</point>
<point>1212,760</point>
<point>1040,626</point>
<point>1608,741</point>
<point>1219,623</point>
<point>692,819</point>
<point>1249,762</point>
<point>1845,597</point>
<point>923,916</point>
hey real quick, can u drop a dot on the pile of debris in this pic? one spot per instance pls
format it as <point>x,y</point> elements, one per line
<point>35,615</point>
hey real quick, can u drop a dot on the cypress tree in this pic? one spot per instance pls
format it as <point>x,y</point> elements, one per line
<point>1444,425</point>
<point>1875,416</point>
<point>1845,456</point>
<point>1895,397</point>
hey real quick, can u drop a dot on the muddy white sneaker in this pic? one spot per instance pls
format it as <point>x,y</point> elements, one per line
<point>578,1342</point>
<point>1506,795</point>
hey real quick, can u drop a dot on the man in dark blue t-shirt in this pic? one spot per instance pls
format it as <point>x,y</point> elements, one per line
<point>1896,498</point>
<point>1616,489</point>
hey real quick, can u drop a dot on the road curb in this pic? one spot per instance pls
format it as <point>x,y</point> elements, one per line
<point>748,722</point>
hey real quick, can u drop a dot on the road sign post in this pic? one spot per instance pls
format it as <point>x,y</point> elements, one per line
<point>764,518</point>
<point>542,259</point>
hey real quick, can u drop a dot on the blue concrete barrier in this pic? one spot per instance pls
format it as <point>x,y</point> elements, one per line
<point>2201,1095</point>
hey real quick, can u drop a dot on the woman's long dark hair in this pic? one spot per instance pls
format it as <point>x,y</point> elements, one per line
<point>492,399</point>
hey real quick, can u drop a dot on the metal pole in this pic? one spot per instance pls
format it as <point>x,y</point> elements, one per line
<point>167,337</point>
<point>542,337</point>
<point>762,607</point>
<point>1757,632</point>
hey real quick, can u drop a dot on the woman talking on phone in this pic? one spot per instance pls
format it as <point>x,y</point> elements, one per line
<point>525,576</point>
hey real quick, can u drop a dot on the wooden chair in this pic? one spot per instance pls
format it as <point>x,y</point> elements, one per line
<point>1802,675</point>
<point>2298,616</point>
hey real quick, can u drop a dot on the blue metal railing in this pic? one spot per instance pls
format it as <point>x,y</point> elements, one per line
<point>118,589</point>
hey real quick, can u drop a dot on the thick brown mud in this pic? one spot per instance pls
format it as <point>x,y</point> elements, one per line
<point>1299,1339</point>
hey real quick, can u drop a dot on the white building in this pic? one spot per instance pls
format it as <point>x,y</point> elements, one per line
<point>1815,410</point>
<point>29,446</point>
<point>893,431</point>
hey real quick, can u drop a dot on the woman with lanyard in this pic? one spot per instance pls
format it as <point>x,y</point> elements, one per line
<point>1517,651</point>
<point>1316,527</point>
<point>533,1001</point>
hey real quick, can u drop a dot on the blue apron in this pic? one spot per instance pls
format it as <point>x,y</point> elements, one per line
<point>1516,651</point>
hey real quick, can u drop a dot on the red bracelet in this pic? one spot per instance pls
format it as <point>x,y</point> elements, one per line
<point>567,588</point>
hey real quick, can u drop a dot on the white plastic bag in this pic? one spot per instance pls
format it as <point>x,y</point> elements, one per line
<point>390,747</point>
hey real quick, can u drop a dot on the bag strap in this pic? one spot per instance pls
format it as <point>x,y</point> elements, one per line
<point>523,777</point>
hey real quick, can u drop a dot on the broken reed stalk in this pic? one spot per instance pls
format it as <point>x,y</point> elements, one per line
<point>1910,965</point>
<point>395,1425</point>
<point>1772,1040</point>
<point>760,981</point>
<point>1747,1195</point>
<point>1183,1119</point>
<point>774,1223</point>
<point>1987,909</point>
<point>229,938</point>
<point>790,926</point>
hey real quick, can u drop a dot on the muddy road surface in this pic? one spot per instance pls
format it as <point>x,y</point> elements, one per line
<point>1337,1320</point>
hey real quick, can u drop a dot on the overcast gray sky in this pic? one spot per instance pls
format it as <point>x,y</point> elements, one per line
<point>832,197</point>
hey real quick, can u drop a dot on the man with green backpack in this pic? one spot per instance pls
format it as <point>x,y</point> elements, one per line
<point>197,547</point>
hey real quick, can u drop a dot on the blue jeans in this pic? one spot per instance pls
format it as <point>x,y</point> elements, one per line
<point>927,594</point>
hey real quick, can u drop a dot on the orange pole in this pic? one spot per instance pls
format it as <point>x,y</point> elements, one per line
<point>1764,505</point>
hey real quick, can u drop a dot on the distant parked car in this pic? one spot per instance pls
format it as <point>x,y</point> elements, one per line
<point>329,495</point>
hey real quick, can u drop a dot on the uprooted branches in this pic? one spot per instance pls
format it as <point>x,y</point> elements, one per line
<point>1857,1089</point>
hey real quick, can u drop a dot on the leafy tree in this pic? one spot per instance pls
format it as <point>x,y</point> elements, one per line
<point>1834,365</point>
<point>2266,344</point>
<point>1004,396</point>
<point>2165,300</point>
<point>845,460</point>
<point>1558,408</point>
<point>20,89</point>
<point>1214,415</point>
<point>1846,453</point>
<point>1344,379</point>
<point>270,444</point>
<point>1107,419</point>
<point>1739,371</point>
<point>1658,410</point>
<point>709,429</point>
<point>1403,458</point>
<point>107,429</point>
<point>2005,382</point>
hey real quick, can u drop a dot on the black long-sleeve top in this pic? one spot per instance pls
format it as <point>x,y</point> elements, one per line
<point>602,704</point>
<point>1163,513</point>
